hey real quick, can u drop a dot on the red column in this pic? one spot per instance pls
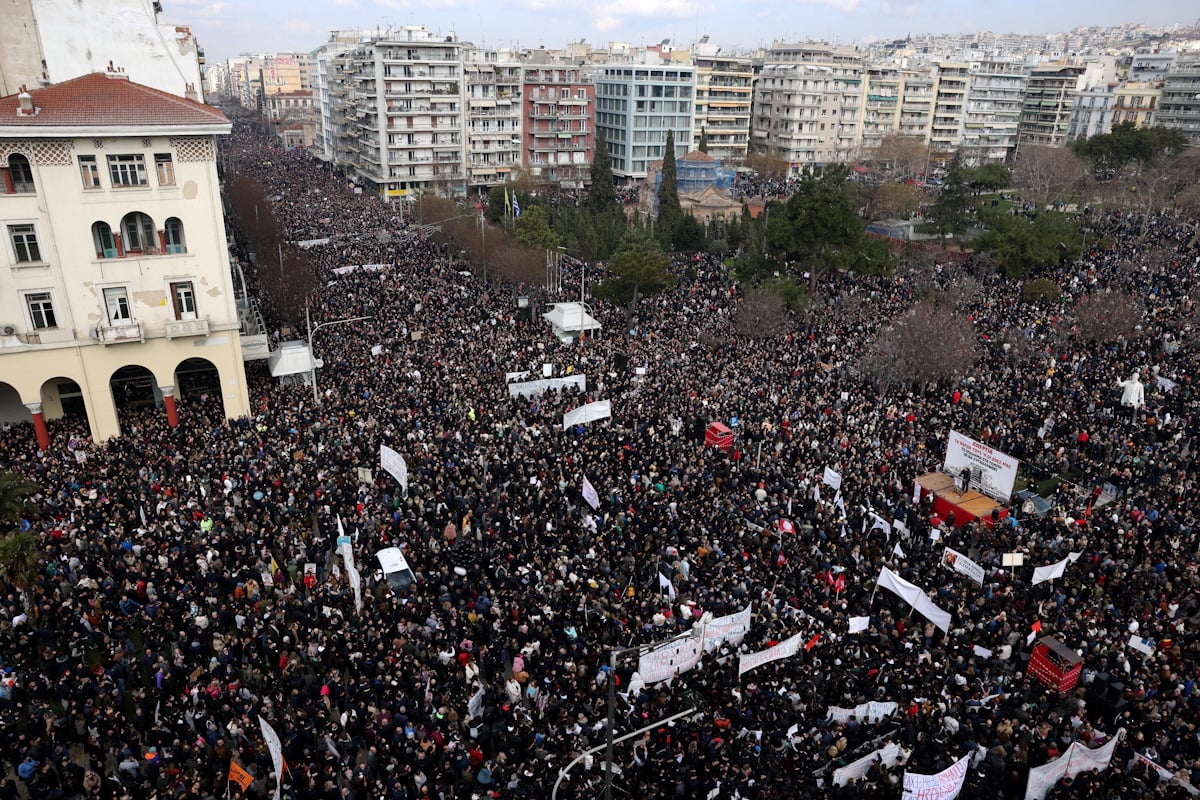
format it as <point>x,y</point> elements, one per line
<point>169,402</point>
<point>39,425</point>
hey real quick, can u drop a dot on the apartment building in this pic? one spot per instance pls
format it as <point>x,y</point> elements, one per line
<point>724,93</point>
<point>1179,105</point>
<point>559,123</point>
<point>392,111</point>
<point>949,107</point>
<point>809,105</point>
<point>117,291</point>
<point>1137,102</point>
<point>494,116</point>
<point>916,106</point>
<point>1048,103</point>
<point>993,115</point>
<point>636,104</point>
<point>1093,111</point>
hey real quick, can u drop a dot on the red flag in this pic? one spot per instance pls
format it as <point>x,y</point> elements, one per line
<point>828,577</point>
<point>1037,626</point>
<point>840,584</point>
<point>812,642</point>
<point>781,559</point>
<point>786,526</point>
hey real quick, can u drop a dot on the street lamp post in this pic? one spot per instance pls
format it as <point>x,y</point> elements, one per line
<point>562,773</point>
<point>312,362</point>
<point>613,656</point>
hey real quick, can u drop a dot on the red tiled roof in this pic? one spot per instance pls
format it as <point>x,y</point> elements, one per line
<point>696,155</point>
<point>98,100</point>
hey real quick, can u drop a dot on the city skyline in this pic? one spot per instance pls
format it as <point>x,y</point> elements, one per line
<point>226,30</point>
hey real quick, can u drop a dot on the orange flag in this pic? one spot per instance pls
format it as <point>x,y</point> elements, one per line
<point>240,776</point>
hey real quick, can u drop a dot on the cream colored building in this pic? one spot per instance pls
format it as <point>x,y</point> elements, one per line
<point>724,85</point>
<point>809,105</point>
<point>115,285</point>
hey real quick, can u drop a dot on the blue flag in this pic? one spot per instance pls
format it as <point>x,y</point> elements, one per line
<point>516,207</point>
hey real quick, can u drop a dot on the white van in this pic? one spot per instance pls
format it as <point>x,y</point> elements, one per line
<point>395,568</point>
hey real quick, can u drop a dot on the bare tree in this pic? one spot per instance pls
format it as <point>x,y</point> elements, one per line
<point>767,165</point>
<point>1105,317</point>
<point>1048,174</point>
<point>929,343</point>
<point>761,314</point>
<point>900,156</point>
<point>891,201</point>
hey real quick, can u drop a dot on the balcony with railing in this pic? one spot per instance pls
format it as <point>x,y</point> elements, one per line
<point>122,333</point>
<point>187,327</point>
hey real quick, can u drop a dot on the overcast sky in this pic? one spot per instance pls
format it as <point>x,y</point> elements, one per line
<point>226,28</point>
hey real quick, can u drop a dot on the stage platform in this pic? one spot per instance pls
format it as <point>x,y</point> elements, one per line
<point>967,506</point>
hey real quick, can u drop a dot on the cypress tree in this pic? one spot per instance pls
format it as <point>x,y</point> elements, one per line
<point>602,195</point>
<point>670,213</point>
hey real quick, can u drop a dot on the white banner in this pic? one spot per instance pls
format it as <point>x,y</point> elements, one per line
<point>665,661</point>
<point>592,411</point>
<point>1055,570</point>
<point>889,755</point>
<point>871,712</point>
<point>509,377</point>
<point>729,628</point>
<point>915,597</point>
<point>785,649</point>
<point>395,465</point>
<point>992,472</point>
<point>1077,759</point>
<point>276,749</point>
<point>943,786</point>
<point>960,563</point>
<point>534,388</point>
<point>859,624</point>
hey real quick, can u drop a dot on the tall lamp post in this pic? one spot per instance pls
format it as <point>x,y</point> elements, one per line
<point>614,656</point>
<point>312,362</point>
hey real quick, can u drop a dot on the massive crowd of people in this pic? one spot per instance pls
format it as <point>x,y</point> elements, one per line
<point>173,610</point>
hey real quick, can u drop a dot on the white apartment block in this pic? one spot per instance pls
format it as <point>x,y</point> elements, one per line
<point>494,114</point>
<point>392,111</point>
<point>116,289</point>
<point>1179,104</point>
<point>809,105</point>
<point>993,113</point>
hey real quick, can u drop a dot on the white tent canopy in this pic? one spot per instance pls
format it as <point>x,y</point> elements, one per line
<point>292,358</point>
<point>570,319</point>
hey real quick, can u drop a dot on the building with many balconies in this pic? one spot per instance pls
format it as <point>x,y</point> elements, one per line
<point>724,89</point>
<point>116,289</point>
<point>494,117</point>
<point>1179,105</point>
<point>559,129</point>
<point>392,111</point>
<point>809,105</point>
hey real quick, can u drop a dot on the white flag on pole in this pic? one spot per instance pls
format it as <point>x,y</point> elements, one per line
<point>276,749</point>
<point>898,551</point>
<point>589,494</point>
<point>858,624</point>
<point>664,583</point>
<point>832,478</point>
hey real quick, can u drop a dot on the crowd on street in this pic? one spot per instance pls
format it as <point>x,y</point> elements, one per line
<point>174,608</point>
